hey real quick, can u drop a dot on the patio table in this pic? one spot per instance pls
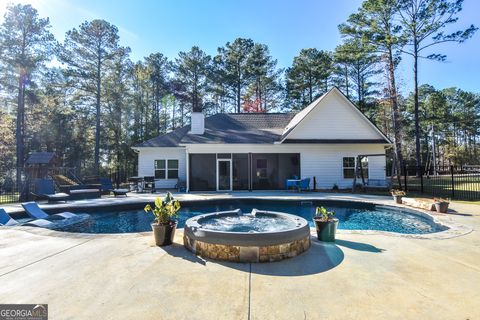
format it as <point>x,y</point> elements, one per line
<point>292,183</point>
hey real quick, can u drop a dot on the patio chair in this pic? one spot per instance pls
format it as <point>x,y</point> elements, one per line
<point>107,185</point>
<point>45,189</point>
<point>304,184</point>
<point>34,211</point>
<point>7,220</point>
<point>181,186</point>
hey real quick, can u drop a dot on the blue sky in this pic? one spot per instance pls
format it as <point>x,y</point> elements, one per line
<point>286,26</point>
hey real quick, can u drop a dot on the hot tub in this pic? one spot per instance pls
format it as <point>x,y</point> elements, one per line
<point>258,236</point>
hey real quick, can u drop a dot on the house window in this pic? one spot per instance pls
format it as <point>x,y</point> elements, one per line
<point>166,169</point>
<point>172,169</point>
<point>160,169</point>
<point>349,168</point>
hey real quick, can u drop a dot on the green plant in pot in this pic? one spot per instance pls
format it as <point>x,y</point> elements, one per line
<point>325,224</point>
<point>441,205</point>
<point>164,210</point>
<point>397,195</point>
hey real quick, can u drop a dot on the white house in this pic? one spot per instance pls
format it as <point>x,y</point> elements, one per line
<point>259,151</point>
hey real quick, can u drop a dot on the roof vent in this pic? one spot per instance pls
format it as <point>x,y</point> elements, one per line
<point>197,123</point>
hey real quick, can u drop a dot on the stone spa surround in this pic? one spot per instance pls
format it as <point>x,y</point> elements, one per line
<point>234,253</point>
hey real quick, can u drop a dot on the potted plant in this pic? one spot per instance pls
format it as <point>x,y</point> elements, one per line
<point>164,225</point>
<point>441,205</point>
<point>397,195</point>
<point>325,224</point>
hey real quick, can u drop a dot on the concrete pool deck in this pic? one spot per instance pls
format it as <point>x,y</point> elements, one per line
<point>361,276</point>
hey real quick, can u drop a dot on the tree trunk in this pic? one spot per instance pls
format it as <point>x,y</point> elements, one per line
<point>359,90</point>
<point>395,115</point>
<point>346,81</point>
<point>97,117</point>
<point>19,133</point>
<point>310,89</point>
<point>238,97</point>
<point>418,161</point>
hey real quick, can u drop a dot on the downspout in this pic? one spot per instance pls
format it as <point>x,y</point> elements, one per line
<point>187,169</point>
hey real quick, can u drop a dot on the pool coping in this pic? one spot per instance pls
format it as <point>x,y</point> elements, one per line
<point>453,229</point>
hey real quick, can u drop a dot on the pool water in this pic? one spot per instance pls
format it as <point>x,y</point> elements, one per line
<point>248,223</point>
<point>352,216</point>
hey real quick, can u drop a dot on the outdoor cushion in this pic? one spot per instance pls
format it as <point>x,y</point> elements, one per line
<point>45,188</point>
<point>83,191</point>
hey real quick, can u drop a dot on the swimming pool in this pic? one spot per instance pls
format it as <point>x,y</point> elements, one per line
<point>352,216</point>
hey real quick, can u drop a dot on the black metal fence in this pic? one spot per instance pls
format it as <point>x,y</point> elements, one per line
<point>460,183</point>
<point>11,191</point>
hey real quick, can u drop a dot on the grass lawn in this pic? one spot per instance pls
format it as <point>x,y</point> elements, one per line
<point>8,198</point>
<point>466,187</point>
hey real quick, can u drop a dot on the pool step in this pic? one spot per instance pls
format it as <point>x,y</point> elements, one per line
<point>306,203</point>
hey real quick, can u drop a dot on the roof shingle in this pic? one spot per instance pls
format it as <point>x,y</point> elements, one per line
<point>228,128</point>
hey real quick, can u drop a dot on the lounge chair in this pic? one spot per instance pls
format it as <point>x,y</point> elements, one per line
<point>52,221</point>
<point>45,189</point>
<point>7,220</point>
<point>34,211</point>
<point>107,185</point>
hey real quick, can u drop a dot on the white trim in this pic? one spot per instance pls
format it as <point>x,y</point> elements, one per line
<point>218,175</point>
<point>187,170</point>
<point>166,168</point>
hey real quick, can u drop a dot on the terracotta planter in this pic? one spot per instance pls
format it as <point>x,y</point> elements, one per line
<point>441,207</point>
<point>326,230</point>
<point>164,233</point>
<point>397,199</point>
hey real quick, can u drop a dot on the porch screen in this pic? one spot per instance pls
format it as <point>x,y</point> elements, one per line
<point>203,172</point>
<point>270,170</point>
<point>240,171</point>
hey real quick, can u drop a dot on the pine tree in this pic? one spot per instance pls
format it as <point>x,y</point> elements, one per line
<point>233,58</point>
<point>374,24</point>
<point>423,22</point>
<point>309,77</point>
<point>85,52</point>
<point>25,44</point>
<point>192,70</point>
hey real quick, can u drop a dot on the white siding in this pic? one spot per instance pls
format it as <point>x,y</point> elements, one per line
<point>146,164</point>
<point>334,118</point>
<point>324,161</point>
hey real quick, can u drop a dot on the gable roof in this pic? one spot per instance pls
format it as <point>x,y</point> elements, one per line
<point>228,128</point>
<point>299,117</point>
